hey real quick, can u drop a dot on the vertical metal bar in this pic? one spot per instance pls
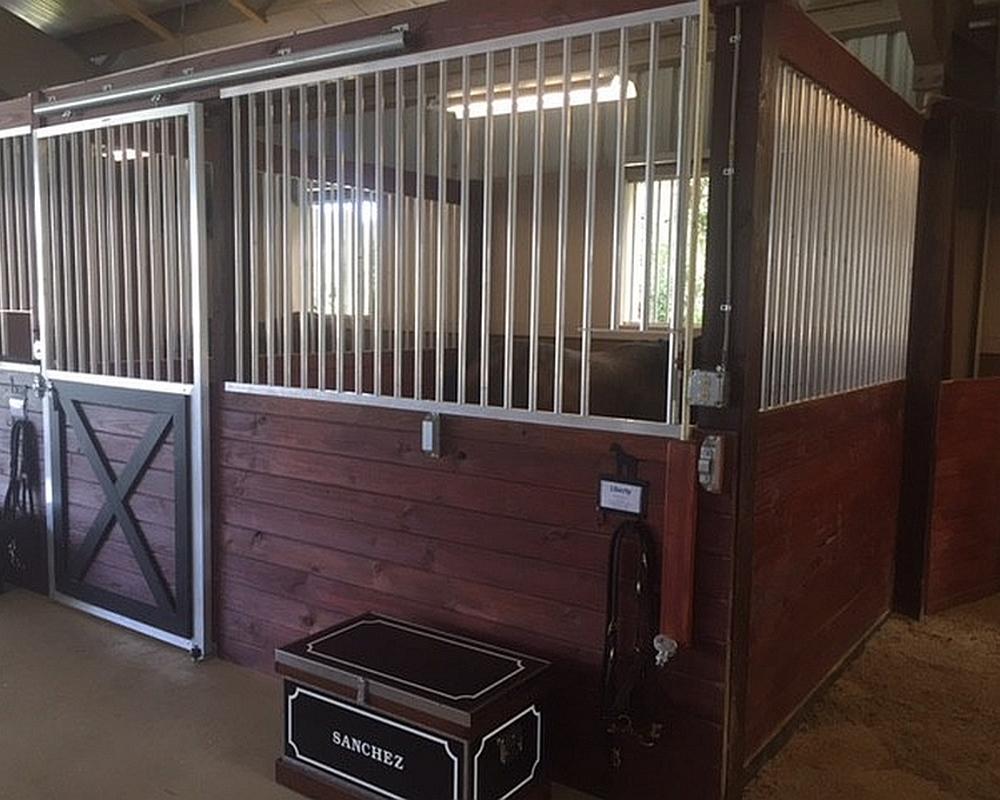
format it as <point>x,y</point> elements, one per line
<point>419,244</point>
<point>269,248</point>
<point>442,242</point>
<point>305,239</point>
<point>378,228</point>
<point>20,228</point>
<point>340,236</point>
<point>69,309</point>
<point>185,170</point>
<point>90,255</point>
<point>650,179</point>
<point>114,250</point>
<point>621,142</point>
<point>142,247</point>
<point>486,309</point>
<point>538,176</point>
<point>128,252</point>
<point>238,241</point>
<point>31,189</point>
<point>358,265</point>
<point>399,259</point>
<point>8,257</point>
<point>201,493</point>
<point>679,221</point>
<point>156,249</point>
<point>286,239</point>
<point>563,233</point>
<point>79,265</point>
<point>324,243</point>
<point>51,224</point>
<point>100,154</point>
<point>510,281</point>
<point>170,239</point>
<point>41,152</point>
<point>463,241</point>
<point>589,232</point>
<point>253,194</point>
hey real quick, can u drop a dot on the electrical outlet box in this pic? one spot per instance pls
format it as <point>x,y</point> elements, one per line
<point>708,389</point>
<point>710,464</point>
<point>430,435</point>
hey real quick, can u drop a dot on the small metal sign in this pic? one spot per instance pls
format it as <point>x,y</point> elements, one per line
<point>623,497</point>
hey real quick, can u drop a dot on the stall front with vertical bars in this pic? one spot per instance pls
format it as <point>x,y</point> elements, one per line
<point>500,230</point>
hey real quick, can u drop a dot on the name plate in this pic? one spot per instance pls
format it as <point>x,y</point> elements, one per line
<point>622,497</point>
<point>368,750</point>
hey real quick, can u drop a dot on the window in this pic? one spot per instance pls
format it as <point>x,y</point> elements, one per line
<point>661,297</point>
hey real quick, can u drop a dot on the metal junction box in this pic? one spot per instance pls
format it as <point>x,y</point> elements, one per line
<point>380,708</point>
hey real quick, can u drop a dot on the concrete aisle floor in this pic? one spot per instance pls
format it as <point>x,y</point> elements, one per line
<point>91,712</point>
<point>915,717</point>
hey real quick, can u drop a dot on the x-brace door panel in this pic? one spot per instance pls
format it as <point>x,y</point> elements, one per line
<point>122,509</point>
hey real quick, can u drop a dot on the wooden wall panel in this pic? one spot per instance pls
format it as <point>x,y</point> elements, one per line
<point>326,510</point>
<point>825,521</point>
<point>964,561</point>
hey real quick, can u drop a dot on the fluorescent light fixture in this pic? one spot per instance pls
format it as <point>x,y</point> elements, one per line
<point>606,93</point>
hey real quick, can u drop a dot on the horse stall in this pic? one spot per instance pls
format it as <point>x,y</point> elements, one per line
<point>821,245</point>
<point>390,318</point>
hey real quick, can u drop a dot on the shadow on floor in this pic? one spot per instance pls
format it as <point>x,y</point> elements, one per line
<point>915,717</point>
<point>89,711</point>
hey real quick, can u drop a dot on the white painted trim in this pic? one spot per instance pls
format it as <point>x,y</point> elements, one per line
<point>585,28</point>
<point>383,720</point>
<point>430,635</point>
<point>610,424</point>
<point>125,118</point>
<point>482,746</point>
<point>20,366</point>
<point>119,382</point>
<point>13,133</point>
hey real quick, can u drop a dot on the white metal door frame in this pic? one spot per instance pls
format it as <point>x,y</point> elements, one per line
<point>200,644</point>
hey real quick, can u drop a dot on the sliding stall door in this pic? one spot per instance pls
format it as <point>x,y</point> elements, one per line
<point>120,237</point>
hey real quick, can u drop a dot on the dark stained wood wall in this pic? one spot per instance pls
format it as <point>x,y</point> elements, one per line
<point>825,522</point>
<point>964,560</point>
<point>327,510</point>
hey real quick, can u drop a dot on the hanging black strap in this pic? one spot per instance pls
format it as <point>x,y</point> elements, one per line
<point>627,662</point>
<point>20,500</point>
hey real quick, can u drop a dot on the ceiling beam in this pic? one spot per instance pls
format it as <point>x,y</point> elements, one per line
<point>249,12</point>
<point>131,9</point>
<point>30,59</point>
<point>930,26</point>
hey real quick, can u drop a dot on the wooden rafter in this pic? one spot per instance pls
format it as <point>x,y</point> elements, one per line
<point>133,10</point>
<point>248,11</point>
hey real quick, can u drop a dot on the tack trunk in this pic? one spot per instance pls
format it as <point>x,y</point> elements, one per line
<point>382,708</point>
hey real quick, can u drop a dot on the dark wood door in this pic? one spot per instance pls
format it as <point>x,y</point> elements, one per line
<point>121,496</point>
